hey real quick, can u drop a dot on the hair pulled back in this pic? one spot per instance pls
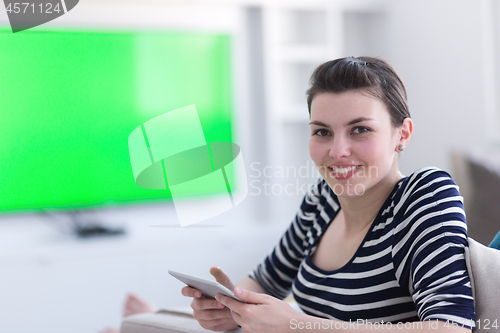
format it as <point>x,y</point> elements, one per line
<point>366,74</point>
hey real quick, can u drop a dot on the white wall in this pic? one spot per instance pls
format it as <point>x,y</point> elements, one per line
<point>436,48</point>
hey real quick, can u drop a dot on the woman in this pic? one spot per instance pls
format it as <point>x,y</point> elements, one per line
<point>368,244</point>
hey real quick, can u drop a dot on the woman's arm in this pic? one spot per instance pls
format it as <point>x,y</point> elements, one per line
<point>266,314</point>
<point>250,284</point>
<point>429,249</point>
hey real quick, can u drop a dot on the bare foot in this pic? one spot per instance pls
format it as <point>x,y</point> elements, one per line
<point>134,304</point>
<point>110,330</point>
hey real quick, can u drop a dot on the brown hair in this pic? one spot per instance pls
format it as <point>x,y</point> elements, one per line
<point>371,75</point>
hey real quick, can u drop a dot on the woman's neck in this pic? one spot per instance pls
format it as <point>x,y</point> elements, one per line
<point>360,211</point>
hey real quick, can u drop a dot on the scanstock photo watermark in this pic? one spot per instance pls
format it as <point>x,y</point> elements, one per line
<point>294,180</point>
<point>328,324</point>
<point>25,15</point>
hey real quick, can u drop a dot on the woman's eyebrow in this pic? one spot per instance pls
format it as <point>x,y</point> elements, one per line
<point>319,123</point>
<point>352,122</point>
<point>358,120</point>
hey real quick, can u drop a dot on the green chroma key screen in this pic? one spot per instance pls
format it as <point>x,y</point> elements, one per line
<point>69,99</point>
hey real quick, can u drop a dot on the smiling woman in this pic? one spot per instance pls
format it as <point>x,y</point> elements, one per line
<point>369,249</point>
<point>353,143</point>
<point>363,102</point>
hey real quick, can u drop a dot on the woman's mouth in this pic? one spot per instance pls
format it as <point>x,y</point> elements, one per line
<point>343,172</point>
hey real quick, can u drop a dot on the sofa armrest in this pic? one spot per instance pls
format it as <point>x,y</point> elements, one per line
<point>483,264</point>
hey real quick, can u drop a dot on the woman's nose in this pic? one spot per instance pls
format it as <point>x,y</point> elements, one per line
<point>340,148</point>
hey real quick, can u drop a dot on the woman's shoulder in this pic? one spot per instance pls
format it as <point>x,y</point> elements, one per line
<point>427,191</point>
<point>428,173</point>
<point>426,180</point>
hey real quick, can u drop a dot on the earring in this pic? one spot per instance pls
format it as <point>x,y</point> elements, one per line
<point>401,147</point>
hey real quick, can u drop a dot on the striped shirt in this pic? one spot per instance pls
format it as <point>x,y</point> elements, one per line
<point>409,267</point>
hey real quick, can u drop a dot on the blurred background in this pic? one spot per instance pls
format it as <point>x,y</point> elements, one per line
<point>73,89</point>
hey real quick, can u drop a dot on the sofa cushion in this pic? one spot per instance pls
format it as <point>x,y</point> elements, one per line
<point>164,321</point>
<point>483,264</point>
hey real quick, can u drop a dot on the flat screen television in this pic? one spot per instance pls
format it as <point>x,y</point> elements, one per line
<point>70,98</point>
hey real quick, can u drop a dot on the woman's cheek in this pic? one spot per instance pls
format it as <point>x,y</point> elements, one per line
<point>369,151</point>
<point>314,152</point>
<point>375,157</point>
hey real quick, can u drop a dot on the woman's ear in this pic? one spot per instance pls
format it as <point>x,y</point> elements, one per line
<point>404,132</point>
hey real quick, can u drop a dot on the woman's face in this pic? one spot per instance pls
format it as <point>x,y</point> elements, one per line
<point>353,142</point>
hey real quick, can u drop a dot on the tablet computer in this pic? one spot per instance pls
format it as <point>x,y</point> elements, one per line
<point>207,287</point>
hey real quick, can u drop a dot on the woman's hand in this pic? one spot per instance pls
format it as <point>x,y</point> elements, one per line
<point>261,314</point>
<point>210,313</point>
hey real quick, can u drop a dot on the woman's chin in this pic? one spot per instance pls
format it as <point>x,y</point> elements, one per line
<point>346,189</point>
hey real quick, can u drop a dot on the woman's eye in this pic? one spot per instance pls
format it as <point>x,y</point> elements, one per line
<point>321,132</point>
<point>360,129</point>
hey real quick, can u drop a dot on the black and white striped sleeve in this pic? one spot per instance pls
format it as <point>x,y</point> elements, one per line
<point>429,245</point>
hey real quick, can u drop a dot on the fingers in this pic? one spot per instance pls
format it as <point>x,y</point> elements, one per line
<point>221,277</point>
<point>202,303</point>
<point>191,292</point>
<point>218,325</point>
<point>230,302</point>
<point>250,296</point>
<point>206,304</point>
<point>212,314</point>
<point>237,318</point>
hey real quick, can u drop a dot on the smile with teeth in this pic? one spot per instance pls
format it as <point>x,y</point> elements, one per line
<point>344,170</point>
